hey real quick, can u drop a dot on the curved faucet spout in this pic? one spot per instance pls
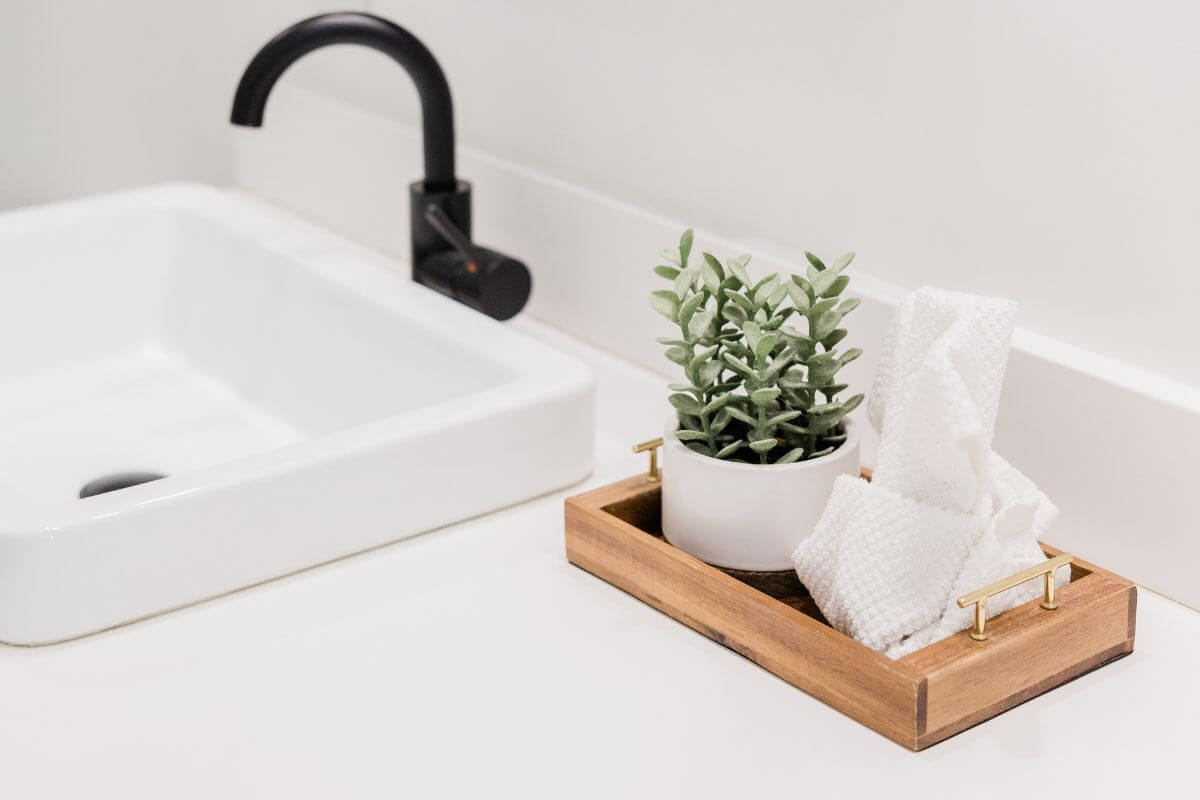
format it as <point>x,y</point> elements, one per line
<point>437,112</point>
<point>444,257</point>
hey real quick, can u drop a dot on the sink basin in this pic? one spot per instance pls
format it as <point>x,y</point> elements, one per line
<point>303,398</point>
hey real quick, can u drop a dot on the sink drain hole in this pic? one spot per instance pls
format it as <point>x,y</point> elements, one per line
<point>118,480</point>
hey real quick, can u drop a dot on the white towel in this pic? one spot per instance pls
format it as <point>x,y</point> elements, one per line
<point>944,514</point>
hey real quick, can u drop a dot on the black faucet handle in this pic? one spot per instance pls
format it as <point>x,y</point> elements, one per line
<point>485,280</point>
<point>440,221</point>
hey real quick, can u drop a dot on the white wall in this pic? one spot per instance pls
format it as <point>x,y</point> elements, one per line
<point>1040,150</point>
<point>99,96</point>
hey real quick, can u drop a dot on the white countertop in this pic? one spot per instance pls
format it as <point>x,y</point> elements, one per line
<point>475,661</point>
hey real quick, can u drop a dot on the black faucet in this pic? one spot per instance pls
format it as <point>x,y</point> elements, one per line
<point>443,255</point>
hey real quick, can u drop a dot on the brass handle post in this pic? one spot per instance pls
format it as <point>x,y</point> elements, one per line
<point>979,597</point>
<point>651,447</point>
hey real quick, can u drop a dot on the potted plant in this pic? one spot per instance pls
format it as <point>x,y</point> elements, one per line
<point>758,435</point>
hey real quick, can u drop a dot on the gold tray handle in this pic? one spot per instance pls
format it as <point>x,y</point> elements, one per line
<point>651,446</point>
<point>980,596</point>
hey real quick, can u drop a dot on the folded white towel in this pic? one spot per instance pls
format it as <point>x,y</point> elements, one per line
<point>943,515</point>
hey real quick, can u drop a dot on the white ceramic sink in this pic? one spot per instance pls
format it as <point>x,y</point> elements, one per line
<point>303,397</point>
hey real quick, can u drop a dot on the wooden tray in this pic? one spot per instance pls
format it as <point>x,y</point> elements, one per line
<point>614,532</point>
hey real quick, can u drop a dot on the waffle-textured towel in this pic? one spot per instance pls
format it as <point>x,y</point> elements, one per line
<point>943,514</point>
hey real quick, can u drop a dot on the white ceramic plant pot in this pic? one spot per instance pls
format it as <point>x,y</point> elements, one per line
<point>746,516</point>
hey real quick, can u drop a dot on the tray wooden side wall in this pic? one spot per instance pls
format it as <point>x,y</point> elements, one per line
<point>917,700</point>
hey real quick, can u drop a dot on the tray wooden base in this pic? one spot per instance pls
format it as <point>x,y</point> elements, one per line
<point>614,532</point>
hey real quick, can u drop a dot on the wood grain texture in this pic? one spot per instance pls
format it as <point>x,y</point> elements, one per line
<point>831,667</point>
<point>916,701</point>
<point>1028,651</point>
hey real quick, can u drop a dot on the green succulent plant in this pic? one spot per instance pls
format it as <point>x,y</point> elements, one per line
<point>758,389</point>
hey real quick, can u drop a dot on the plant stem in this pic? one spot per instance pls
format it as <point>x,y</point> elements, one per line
<point>762,430</point>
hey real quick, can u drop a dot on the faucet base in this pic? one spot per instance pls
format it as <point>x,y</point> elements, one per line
<point>446,260</point>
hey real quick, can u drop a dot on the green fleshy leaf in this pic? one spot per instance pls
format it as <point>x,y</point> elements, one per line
<point>712,273</point>
<point>764,445</point>
<point>781,362</point>
<point>688,308</point>
<point>702,356</point>
<point>740,350</point>
<point>782,315</point>
<point>683,282</point>
<point>735,314</point>
<point>821,369</point>
<point>665,302</point>
<point>800,298</point>
<point>687,404</point>
<point>825,325</point>
<point>792,334</point>
<point>685,246</point>
<point>698,324</point>
<point>730,449</point>
<point>740,415</point>
<point>835,288</point>
<point>765,345</point>
<point>764,289</point>
<point>677,355</point>
<point>761,397</point>
<point>848,305</point>
<point>745,303</point>
<point>825,278</point>
<point>776,297</point>
<point>833,338</point>
<point>717,403</point>
<point>790,456</point>
<point>822,374</point>
<point>670,273</point>
<point>841,262</point>
<point>730,282</point>
<point>753,333</point>
<point>825,408</point>
<point>737,268</point>
<point>691,436</point>
<point>822,307</point>
<point>739,366</point>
